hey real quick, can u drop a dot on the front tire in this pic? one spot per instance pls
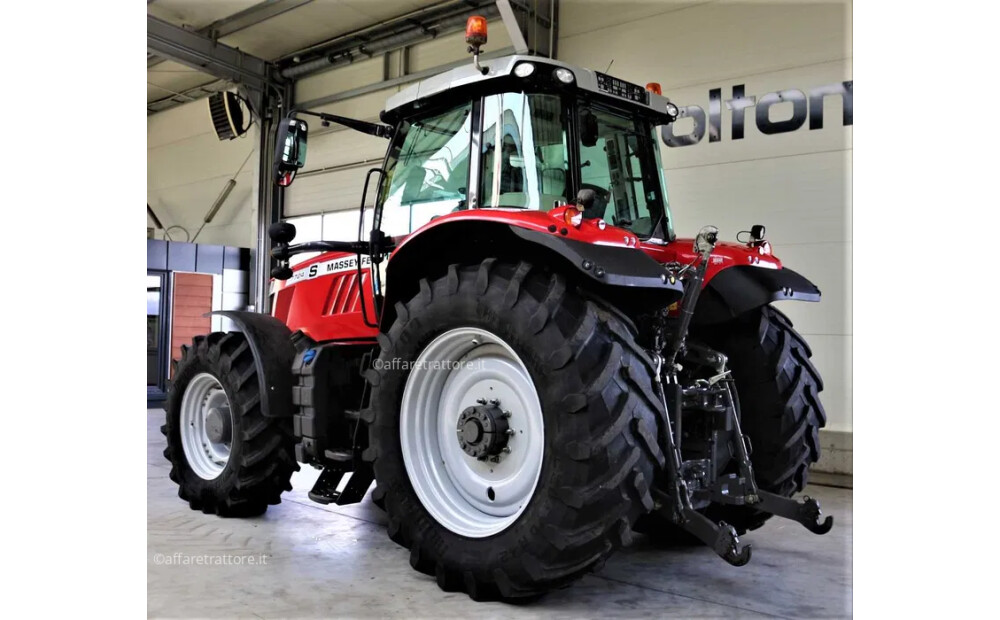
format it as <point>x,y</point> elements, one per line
<point>598,420</point>
<point>226,456</point>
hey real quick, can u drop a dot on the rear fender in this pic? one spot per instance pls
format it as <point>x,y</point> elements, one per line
<point>270,342</point>
<point>736,290</point>
<point>625,274</point>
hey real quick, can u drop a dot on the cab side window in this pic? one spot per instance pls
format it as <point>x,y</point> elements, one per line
<point>611,165</point>
<point>524,152</point>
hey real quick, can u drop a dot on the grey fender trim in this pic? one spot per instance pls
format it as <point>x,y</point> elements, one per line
<point>739,289</point>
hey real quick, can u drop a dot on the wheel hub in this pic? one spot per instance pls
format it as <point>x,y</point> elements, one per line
<point>483,430</point>
<point>217,426</point>
<point>206,425</point>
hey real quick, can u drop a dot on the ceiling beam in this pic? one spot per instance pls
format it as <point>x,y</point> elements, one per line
<point>246,18</point>
<point>190,94</point>
<point>532,26</point>
<point>389,35</point>
<point>398,81</point>
<point>513,28</point>
<point>251,16</point>
<point>204,54</point>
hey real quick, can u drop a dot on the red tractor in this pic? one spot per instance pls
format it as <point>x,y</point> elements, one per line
<point>519,352</point>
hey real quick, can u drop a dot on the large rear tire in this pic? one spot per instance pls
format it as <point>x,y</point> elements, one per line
<point>778,388</point>
<point>226,456</point>
<point>597,413</point>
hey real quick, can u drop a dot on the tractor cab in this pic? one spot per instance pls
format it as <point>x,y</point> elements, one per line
<point>530,133</point>
<point>517,132</point>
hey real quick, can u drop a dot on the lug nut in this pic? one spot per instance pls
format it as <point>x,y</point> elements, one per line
<point>481,401</point>
<point>506,449</point>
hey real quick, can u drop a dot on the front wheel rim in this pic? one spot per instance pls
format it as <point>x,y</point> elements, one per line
<point>206,426</point>
<point>463,369</point>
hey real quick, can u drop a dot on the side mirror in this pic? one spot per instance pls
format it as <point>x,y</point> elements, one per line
<point>588,128</point>
<point>289,150</point>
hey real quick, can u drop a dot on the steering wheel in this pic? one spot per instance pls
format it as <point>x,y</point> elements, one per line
<point>600,205</point>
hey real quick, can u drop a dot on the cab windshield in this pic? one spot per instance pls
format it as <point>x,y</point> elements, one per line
<point>533,151</point>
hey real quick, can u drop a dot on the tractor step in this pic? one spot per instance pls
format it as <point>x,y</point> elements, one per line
<point>325,490</point>
<point>352,414</point>
<point>339,456</point>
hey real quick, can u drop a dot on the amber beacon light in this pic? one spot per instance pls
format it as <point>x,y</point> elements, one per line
<point>654,87</point>
<point>475,31</point>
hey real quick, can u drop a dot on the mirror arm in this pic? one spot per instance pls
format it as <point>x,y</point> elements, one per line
<point>372,129</point>
<point>282,251</point>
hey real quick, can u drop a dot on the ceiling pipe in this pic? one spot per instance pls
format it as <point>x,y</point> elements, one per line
<point>386,44</point>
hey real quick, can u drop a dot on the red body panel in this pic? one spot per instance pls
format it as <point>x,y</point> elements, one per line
<point>542,221</point>
<point>322,297</point>
<point>326,306</point>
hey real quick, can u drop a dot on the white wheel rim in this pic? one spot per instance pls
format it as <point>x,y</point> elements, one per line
<point>457,370</point>
<point>205,403</point>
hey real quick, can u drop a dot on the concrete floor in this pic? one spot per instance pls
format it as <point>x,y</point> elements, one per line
<point>323,561</point>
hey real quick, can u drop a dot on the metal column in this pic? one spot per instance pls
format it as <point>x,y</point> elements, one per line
<point>270,197</point>
<point>270,96</point>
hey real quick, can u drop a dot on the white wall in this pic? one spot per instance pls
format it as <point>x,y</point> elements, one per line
<point>188,166</point>
<point>798,183</point>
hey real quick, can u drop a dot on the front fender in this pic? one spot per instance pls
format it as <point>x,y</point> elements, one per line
<point>736,290</point>
<point>270,342</point>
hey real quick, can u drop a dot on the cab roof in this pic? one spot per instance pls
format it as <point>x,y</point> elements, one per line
<point>503,69</point>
